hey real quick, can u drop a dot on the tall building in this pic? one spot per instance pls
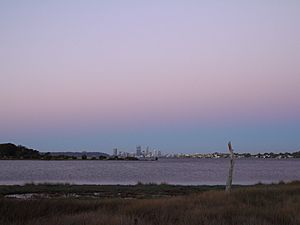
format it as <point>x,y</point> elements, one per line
<point>138,150</point>
<point>156,153</point>
<point>115,151</point>
<point>159,153</point>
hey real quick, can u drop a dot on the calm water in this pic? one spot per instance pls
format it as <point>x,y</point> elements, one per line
<point>173,171</point>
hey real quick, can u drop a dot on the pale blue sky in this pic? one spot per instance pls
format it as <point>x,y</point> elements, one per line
<point>181,76</point>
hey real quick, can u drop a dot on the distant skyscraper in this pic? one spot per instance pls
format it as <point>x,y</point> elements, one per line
<point>138,150</point>
<point>159,153</point>
<point>115,151</point>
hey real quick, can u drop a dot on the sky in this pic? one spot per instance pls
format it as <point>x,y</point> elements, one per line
<point>179,76</point>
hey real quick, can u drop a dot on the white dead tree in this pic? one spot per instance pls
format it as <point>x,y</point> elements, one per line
<point>229,179</point>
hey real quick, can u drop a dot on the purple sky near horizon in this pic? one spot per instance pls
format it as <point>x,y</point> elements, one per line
<point>182,76</point>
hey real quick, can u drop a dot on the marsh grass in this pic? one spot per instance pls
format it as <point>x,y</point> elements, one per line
<point>277,204</point>
<point>140,190</point>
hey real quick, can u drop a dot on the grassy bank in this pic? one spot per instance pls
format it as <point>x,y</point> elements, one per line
<point>257,205</point>
<point>139,190</point>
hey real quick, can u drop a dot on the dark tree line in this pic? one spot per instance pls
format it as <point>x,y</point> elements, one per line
<point>11,151</point>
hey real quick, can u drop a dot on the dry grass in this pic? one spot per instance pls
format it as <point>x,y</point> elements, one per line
<point>258,205</point>
<point>139,190</point>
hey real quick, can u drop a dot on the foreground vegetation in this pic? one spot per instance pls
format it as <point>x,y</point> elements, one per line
<point>257,205</point>
<point>140,190</point>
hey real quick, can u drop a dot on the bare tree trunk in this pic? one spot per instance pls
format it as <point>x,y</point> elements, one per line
<point>229,179</point>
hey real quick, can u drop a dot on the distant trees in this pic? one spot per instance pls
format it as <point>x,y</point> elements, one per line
<point>247,155</point>
<point>296,154</point>
<point>47,156</point>
<point>11,151</point>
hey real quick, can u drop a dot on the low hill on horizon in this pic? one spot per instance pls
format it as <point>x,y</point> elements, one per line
<point>79,154</point>
<point>12,151</point>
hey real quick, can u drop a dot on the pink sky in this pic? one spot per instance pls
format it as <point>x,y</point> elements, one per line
<point>137,64</point>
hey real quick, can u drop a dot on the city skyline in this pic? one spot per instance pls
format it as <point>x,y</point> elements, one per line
<point>179,76</point>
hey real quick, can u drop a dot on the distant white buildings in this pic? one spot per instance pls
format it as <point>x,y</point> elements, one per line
<point>115,152</point>
<point>139,153</point>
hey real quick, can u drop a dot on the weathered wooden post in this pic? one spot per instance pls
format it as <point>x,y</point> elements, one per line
<point>229,179</point>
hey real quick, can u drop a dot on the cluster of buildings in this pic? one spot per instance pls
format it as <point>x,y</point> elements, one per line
<point>215,155</point>
<point>139,153</point>
<point>147,153</point>
<point>218,155</point>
